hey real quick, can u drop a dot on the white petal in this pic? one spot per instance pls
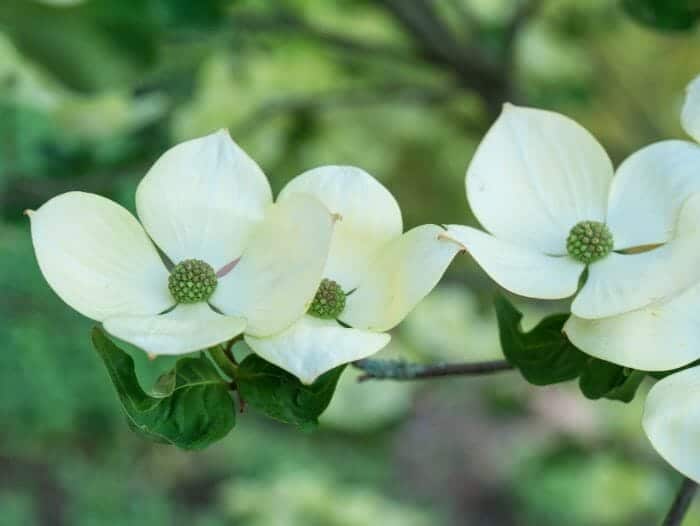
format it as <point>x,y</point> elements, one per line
<point>621,283</point>
<point>534,176</point>
<point>187,328</point>
<point>201,199</point>
<point>649,190</point>
<point>690,115</point>
<point>518,269</point>
<point>402,273</point>
<point>659,337</point>
<point>97,258</point>
<point>311,347</point>
<point>672,420</point>
<point>281,268</point>
<point>369,217</point>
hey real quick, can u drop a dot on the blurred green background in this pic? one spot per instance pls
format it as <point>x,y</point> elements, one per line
<point>91,92</point>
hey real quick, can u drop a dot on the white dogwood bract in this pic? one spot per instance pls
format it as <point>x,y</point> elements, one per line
<point>672,420</point>
<point>664,335</point>
<point>204,200</point>
<point>538,174</point>
<point>384,272</point>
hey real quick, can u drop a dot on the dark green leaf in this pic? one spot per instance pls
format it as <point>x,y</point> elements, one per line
<point>544,355</point>
<point>190,406</point>
<point>281,396</point>
<point>601,379</point>
<point>670,15</point>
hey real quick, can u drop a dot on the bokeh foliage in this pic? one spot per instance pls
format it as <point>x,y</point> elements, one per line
<point>91,92</point>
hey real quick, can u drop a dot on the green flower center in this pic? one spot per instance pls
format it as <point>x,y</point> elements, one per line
<point>329,301</point>
<point>589,241</point>
<point>192,281</point>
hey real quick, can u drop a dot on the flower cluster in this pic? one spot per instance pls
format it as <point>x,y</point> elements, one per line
<point>318,278</point>
<point>233,263</point>
<point>545,191</point>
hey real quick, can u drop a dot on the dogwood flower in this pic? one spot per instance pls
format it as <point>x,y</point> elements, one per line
<point>672,420</point>
<point>544,189</point>
<point>240,262</point>
<point>665,334</point>
<point>374,275</point>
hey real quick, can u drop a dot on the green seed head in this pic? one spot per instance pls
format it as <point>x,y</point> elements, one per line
<point>192,281</point>
<point>589,241</point>
<point>329,301</point>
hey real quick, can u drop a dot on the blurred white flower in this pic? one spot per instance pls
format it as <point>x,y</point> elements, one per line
<point>207,206</point>
<point>374,275</point>
<point>663,335</point>
<point>544,189</point>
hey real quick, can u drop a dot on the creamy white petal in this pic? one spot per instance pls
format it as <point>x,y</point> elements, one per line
<point>97,258</point>
<point>690,115</point>
<point>672,420</point>
<point>281,268</point>
<point>520,270</point>
<point>187,328</point>
<point>649,190</point>
<point>535,175</point>
<point>369,217</point>
<point>659,337</point>
<point>622,283</point>
<point>401,275</point>
<point>202,198</point>
<point>312,347</point>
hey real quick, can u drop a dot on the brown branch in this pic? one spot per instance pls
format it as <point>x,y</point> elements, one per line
<point>681,503</point>
<point>400,370</point>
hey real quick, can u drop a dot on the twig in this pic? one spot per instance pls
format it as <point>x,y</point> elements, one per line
<point>400,370</point>
<point>681,503</point>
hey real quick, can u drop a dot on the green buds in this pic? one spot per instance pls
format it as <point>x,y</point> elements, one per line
<point>589,241</point>
<point>329,301</point>
<point>192,281</point>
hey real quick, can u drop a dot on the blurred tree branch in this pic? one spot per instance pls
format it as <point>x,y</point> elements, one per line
<point>358,97</point>
<point>434,43</point>
<point>289,22</point>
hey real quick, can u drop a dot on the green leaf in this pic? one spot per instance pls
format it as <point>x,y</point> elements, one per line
<point>95,45</point>
<point>280,395</point>
<point>544,355</point>
<point>601,379</point>
<point>669,15</point>
<point>190,406</point>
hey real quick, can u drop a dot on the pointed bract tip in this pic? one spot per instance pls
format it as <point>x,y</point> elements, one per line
<point>28,212</point>
<point>442,236</point>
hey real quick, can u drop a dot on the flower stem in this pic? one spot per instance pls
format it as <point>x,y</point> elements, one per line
<point>400,370</point>
<point>681,503</point>
<point>218,354</point>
